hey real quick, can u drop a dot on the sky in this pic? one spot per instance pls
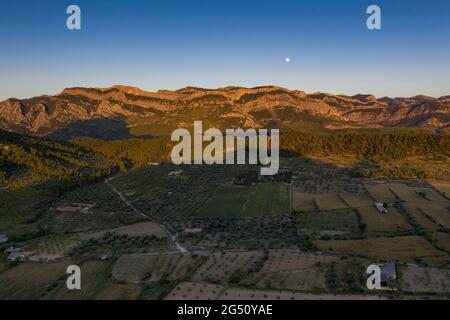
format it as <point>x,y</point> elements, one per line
<point>170,44</point>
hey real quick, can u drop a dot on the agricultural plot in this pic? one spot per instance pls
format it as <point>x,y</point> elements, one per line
<point>398,248</point>
<point>30,281</point>
<point>442,187</point>
<point>284,260</point>
<point>357,201</point>
<point>195,291</point>
<point>101,195</point>
<point>317,177</point>
<point>420,218</point>
<point>268,199</point>
<point>328,223</point>
<point>227,201</point>
<point>83,222</point>
<point>404,193</point>
<point>329,202</point>
<point>381,193</point>
<point>131,269</point>
<point>273,295</point>
<point>51,247</point>
<point>135,230</point>
<point>377,222</point>
<point>438,212</point>
<point>95,279</point>
<point>235,233</point>
<point>168,192</point>
<point>298,280</point>
<point>119,292</point>
<point>430,194</point>
<point>299,271</point>
<point>151,268</point>
<point>425,280</point>
<point>442,240</point>
<point>303,202</point>
<point>221,266</point>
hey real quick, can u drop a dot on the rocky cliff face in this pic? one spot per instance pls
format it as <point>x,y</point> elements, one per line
<point>230,107</point>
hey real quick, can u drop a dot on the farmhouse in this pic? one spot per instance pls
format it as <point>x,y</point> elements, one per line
<point>76,208</point>
<point>193,231</point>
<point>381,208</point>
<point>21,256</point>
<point>3,238</point>
<point>388,273</point>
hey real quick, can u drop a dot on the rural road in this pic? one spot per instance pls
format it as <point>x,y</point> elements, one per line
<point>172,237</point>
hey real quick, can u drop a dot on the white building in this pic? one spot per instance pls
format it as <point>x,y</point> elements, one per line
<point>381,208</point>
<point>3,238</point>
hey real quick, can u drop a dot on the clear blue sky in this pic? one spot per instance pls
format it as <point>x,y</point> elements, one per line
<point>169,44</point>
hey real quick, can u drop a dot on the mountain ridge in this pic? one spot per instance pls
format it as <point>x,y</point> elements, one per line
<point>159,112</point>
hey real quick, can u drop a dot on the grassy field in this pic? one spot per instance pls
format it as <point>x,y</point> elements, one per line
<point>119,292</point>
<point>420,218</point>
<point>333,222</point>
<point>381,193</point>
<point>30,280</point>
<point>438,212</point>
<point>442,240</point>
<point>398,248</point>
<point>303,202</point>
<point>442,187</point>
<point>377,222</point>
<point>151,268</point>
<point>329,202</point>
<point>268,199</point>
<point>94,280</point>
<point>227,201</point>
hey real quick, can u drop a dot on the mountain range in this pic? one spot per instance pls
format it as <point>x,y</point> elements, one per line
<point>123,111</point>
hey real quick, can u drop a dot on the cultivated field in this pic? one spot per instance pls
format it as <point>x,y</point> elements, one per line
<point>239,233</point>
<point>94,279</point>
<point>398,248</point>
<point>227,201</point>
<point>195,291</point>
<point>328,223</point>
<point>393,221</point>
<point>420,218</point>
<point>119,292</point>
<point>329,202</point>
<point>30,280</point>
<point>442,240</point>
<point>404,193</point>
<point>135,230</point>
<point>272,295</point>
<point>268,199</point>
<point>442,187</point>
<point>303,202</point>
<point>285,260</point>
<point>221,266</point>
<point>381,193</point>
<point>357,201</point>
<point>438,212</point>
<point>425,280</point>
<point>51,247</point>
<point>151,268</point>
